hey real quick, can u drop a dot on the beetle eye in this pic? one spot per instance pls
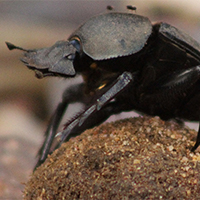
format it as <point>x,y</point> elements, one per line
<point>70,57</point>
<point>76,43</point>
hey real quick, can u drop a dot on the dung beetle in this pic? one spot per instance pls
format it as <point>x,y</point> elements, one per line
<point>127,63</point>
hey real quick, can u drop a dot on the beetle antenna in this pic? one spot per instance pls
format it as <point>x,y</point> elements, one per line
<point>12,46</point>
<point>130,7</point>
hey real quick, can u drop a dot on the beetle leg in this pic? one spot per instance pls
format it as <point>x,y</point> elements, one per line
<point>93,115</point>
<point>197,143</point>
<point>179,82</point>
<point>71,94</point>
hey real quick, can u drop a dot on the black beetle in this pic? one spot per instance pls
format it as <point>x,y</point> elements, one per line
<point>127,63</point>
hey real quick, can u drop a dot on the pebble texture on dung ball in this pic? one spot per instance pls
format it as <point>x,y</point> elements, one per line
<point>139,158</point>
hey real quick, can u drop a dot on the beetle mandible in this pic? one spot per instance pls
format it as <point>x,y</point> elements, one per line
<point>127,63</point>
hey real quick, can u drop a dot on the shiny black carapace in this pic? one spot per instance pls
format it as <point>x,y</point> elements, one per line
<point>127,63</point>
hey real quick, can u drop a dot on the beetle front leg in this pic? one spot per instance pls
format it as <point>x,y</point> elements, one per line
<point>71,94</point>
<point>79,123</point>
<point>51,132</point>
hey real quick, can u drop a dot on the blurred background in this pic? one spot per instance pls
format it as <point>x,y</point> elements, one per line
<point>26,103</point>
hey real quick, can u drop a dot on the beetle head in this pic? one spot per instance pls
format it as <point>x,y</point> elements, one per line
<point>52,61</point>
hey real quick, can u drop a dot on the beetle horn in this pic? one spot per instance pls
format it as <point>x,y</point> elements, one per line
<point>12,46</point>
